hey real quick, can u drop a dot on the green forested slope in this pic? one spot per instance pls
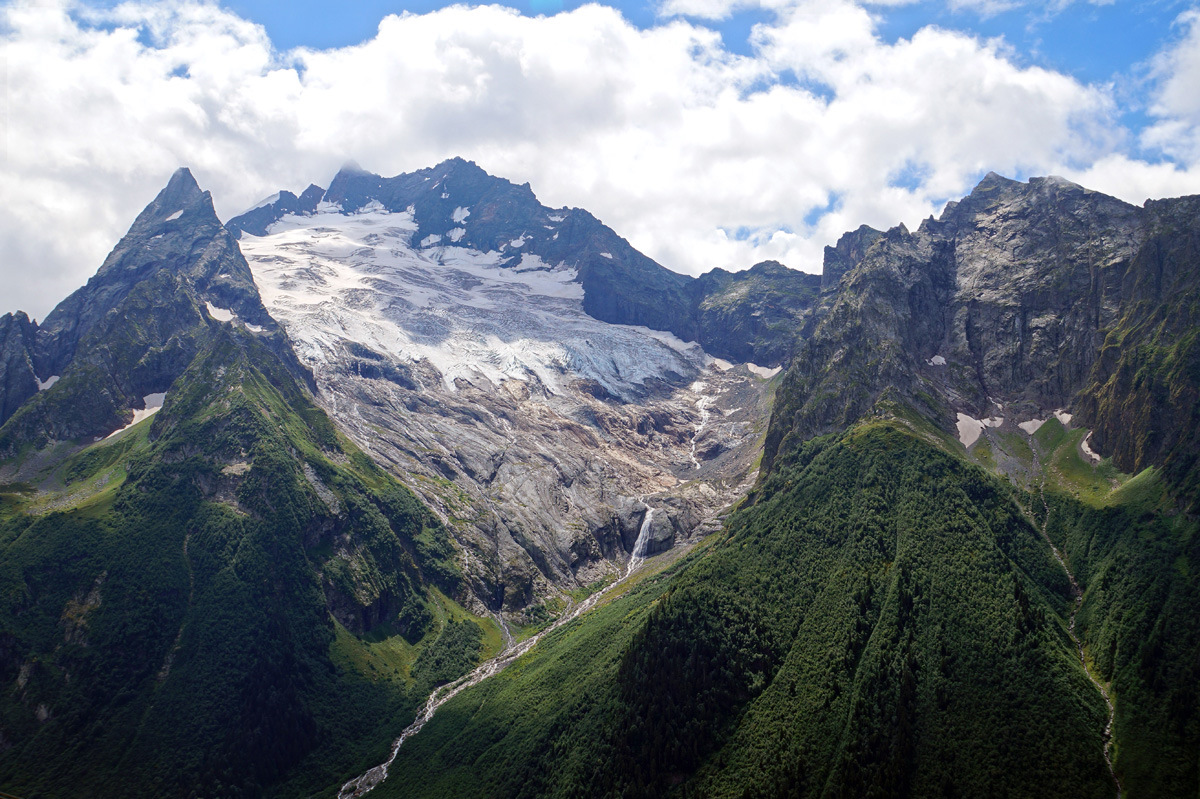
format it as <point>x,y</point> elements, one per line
<point>1138,560</point>
<point>170,629</point>
<point>884,621</point>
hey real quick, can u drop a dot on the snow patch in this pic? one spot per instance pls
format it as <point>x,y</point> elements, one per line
<point>722,364</point>
<point>607,255</point>
<point>431,239</point>
<point>937,360</point>
<point>254,328</point>
<point>763,371</point>
<point>174,216</point>
<point>1092,455</point>
<point>45,384</point>
<point>1063,417</point>
<point>969,428</point>
<point>1032,426</point>
<point>456,234</point>
<point>263,203</point>
<point>220,314</point>
<point>460,215</point>
<point>556,217</point>
<point>152,402</point>
<point>517,243</point>
<point>445,195</point>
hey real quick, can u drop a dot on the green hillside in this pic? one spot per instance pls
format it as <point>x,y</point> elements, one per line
<point>223,600</point>
<point>885,620</point>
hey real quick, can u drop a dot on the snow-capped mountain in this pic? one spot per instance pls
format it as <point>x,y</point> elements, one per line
<point>469,362</point>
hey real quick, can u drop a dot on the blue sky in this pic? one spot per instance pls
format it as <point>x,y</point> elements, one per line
<point>708,132</point>
<point>1091,42</point>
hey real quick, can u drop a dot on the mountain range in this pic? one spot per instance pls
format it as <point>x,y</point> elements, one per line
<point>275,489</point>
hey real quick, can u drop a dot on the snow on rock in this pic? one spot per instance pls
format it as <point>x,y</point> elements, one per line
<point>175,215</point>
<point>460,215</point>
<point>969,428</point>
<point>49,381</point>
<point>1032,426</point>
<point>1063,417</point>
<point>262,203</point>
<point>763,371</point>
<point>431,239</point>
<point>152,404</point>
<point>456,234</point>
<point>220,314</point>
<point>1091,454</point>
<point>937,360</point>
<point>332,278</point>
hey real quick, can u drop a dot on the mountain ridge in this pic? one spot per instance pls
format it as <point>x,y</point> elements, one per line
<point>889,613</point>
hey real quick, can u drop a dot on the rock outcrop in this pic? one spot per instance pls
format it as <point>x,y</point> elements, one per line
<point>1021,299</point>
<point>18,380</point>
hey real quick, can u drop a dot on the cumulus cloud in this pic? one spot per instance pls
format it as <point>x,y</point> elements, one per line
<point>1176,103</point>
<point>701,157</point>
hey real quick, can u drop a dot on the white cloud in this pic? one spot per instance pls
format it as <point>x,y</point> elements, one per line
<point>991,8</point>
<point>1176,103</point>
<point>700,157</point>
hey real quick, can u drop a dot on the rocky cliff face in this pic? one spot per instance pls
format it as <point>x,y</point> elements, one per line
<point>18,380</point>
<point>1142,397</point>
<point>997,310</point>
<point>139,321</point>
<point>755,316</point>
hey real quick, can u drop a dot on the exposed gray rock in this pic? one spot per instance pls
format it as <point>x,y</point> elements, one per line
<point>137,323</point>
<point>18,381</point>
<point>1002,307</point>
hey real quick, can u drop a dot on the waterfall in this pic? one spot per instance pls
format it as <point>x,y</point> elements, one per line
<point>642,543</point>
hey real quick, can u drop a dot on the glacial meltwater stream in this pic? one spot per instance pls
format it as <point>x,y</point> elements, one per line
<point>365,782</point>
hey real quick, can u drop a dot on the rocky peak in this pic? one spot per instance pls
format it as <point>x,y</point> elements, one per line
<point>846,254</point>
<point>1005,301</point>
<point>262,216</point>
<point>136,324</point>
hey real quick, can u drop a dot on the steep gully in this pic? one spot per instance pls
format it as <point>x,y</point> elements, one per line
<point>1077,603</point>
<point>367,781</point>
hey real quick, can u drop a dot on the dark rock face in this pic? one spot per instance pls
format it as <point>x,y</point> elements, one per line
<point>1020,299</point>
<point>755,316</point>
<point>18,381</point>
<point>846,254</point>
<point>1143,392</point>
<point>257,220</point>
<point>139,321</point>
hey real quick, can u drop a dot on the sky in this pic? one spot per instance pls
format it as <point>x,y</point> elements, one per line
<point>710,133</point>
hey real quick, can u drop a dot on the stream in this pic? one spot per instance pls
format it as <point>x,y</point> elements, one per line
<point>366,782</point>
<point>1077,603</point>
